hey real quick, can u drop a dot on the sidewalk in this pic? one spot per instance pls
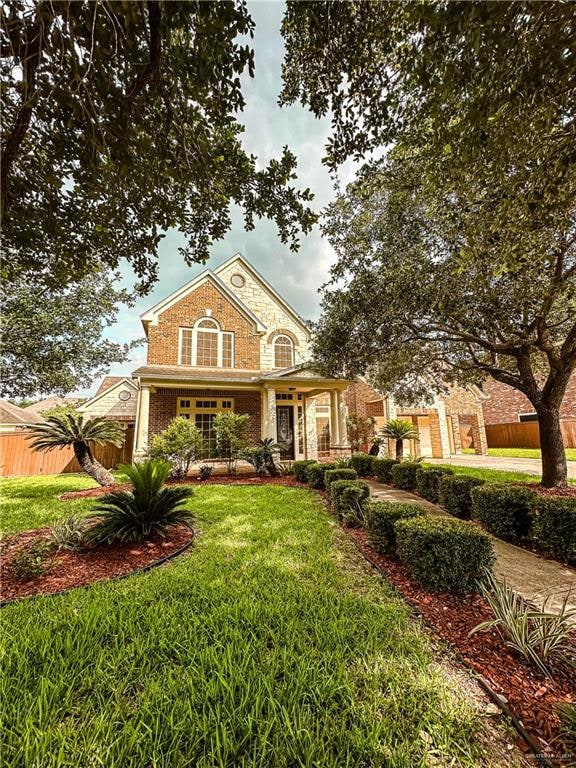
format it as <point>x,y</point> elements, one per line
<point>529,574</point>
<point>530,466</point>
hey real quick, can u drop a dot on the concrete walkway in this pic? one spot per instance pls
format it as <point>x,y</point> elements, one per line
<point>530,466</point>
<point>533,576</point>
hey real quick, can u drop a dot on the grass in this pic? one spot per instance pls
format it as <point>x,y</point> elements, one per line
<point>493,475</point>
<point>270,645</point>
<point>522,453</point>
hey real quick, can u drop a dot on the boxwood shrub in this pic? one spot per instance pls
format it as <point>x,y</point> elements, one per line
<point>454,494</point>
<point>349,501</point>
<point>444,555</point>
<point>299,468</point>
<point>428,480</point>
<point>382,468</point>
<point>555,526</point>
<point>379,523</point>
<point>343,473</point>
<point>503,509</point>
<point>315,474</point>
<point>362,463</point>
<point>404,475</point>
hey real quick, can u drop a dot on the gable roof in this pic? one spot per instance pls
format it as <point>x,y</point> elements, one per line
<point>108,382</point>
<point>50,402</point>
<point>13,414</point>
<point>266,285</point>
<point>151,316</point>
<point>116,382</point>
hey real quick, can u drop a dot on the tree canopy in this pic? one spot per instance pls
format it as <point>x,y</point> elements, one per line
<point>120,121</point>
<point>51,339</point>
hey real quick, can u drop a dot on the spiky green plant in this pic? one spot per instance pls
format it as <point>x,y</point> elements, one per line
<point>148,509</point>
<point>541,636</point>
<point>399,430</point>
<point>63,429</point>
<point>70,533</point>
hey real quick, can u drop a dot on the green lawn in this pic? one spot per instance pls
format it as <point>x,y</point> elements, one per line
<point>522,453</point>
<point>493,475</point>
<point>270,644</point>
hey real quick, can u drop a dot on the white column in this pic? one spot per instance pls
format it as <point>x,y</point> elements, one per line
<point>342,416</point>
<point>311,433</point>
<point>143,420</point>
<point>334,421</point>
<point>391,408</point>
<point>272,430</point>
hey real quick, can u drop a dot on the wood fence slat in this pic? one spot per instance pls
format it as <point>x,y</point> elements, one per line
<point>525,434</point>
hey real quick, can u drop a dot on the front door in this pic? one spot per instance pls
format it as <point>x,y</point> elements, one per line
<point>285,427</point>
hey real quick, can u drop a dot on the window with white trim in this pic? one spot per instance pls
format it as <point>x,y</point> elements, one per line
<point>206,345</point>
<point>202,411</point>
<point>283,352</point>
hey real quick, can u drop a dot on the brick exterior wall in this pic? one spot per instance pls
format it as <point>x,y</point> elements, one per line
<point>163,338</point>
<point>163,407</point>
<point>357,398</point>
<point>506,403</point>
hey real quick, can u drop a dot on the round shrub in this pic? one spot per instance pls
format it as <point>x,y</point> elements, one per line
<point>454,494</point>
<point>555,527</point>
<point>444,555</point>
<point>404,475</point>
<point>299,467</point>
<point>504,510</point>
<point>428,480</point>
<point>349,501</point>
<point>362,463</point>
<point>332,475</point>
<point>315,474</point>
<point>379,522</point>
<point>382,469</point>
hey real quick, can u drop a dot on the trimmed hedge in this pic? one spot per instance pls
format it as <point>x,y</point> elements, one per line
<point>504,510</point>
<point>362,463</point>
<point>444,555</point>
<point>300,469</point>
<point>338,474</point>
<point>555,527</point>
<point>349,500</point>
<point>454,494</point>
<point>315,474</point>
<point>404,475</point>
<point>379,522</point>
<point>382,468</point>
<point>428,480</point>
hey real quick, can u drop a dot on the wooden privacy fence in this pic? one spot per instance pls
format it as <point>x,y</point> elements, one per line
<point>17,458</point>
<point>525,434</point>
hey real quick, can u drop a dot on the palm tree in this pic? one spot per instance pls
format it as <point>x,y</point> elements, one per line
<point>62,429</point>
<point>399,430</point>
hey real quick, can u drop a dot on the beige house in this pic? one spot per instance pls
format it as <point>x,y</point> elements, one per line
<point>14,419</point>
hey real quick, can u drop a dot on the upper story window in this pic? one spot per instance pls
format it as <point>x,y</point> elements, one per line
<point>206,345</point>
<point>283,352</point>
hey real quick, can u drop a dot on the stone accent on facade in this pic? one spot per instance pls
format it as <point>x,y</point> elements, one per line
<point>111,406</point>
<point>504,404</point>
<point>163,338</point>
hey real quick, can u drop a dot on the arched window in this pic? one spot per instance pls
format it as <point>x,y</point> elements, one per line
<point>283,352</point>
<point>206,345</point>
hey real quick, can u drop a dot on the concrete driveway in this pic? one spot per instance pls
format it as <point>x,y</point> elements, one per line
<point>530,466</point>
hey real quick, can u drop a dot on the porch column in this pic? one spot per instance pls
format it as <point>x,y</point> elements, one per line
<point>342,416</point>
<point>270,414</point>
<point>143,420</point>
<point>334,421</point>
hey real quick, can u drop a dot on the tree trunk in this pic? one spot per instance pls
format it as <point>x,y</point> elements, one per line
<point>92,467</point>
<point>554,467</point>
<point>399,449</point>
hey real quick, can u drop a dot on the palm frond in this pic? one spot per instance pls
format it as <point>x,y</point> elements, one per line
<point>60,430</point>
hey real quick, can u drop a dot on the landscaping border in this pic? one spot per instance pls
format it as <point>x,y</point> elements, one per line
<point>142,569</point>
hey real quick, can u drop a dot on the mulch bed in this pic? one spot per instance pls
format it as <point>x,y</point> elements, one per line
<point>244,479</point>
<point>530,695</point>
<point>569,490</point>
<point>67,570</point>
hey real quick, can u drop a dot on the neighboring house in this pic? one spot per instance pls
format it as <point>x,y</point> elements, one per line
<point>13,418</point>
<point>504,405</point>
<point>116,398</point>
<point>227,341</point>
<point>51,402</point>
<point>451,422</point>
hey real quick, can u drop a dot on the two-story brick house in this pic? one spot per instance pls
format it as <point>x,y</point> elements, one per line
<point>227,341</point>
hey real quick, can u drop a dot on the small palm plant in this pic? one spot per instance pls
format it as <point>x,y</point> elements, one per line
<point>148,509</point>
<point>399,430</point>
<point>62,429</point>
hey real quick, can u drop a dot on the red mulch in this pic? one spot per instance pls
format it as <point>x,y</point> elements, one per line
<point>569,490</point>
<point>244,479</point>
<point>75,569</point>
<point>531,696</point>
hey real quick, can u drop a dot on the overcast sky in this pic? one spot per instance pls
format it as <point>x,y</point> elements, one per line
<point>296,276</point>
